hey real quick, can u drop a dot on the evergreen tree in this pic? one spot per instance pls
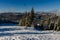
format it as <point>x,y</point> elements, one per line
<point>31,16</point>
<point>28,18</point>
<point>49,23</point>
<point>58,25</point>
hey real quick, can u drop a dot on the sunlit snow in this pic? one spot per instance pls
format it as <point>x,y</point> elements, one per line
<point>23,33</point>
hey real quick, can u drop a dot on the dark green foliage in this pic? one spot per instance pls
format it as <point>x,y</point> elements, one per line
<point>59,23</point>
<point>58,26</point>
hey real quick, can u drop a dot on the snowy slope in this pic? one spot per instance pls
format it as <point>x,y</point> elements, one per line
<point>23,33</point>
<point>32,37</point>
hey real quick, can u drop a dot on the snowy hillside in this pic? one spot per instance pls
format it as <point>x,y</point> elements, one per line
<point>23,33</point>
<point>32,37</point>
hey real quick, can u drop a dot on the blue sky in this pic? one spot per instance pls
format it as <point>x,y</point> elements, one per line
<point>26,5</point>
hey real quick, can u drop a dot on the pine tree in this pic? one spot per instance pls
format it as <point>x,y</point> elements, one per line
<point>58,25</point>
<point>31,16</point>
<point>49,23</point>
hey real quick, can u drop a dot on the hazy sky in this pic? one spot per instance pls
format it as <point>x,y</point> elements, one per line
<point>23,5</point>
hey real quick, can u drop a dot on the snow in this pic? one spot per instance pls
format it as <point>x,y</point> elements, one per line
<point>22,33</point>
<point>32,37</point>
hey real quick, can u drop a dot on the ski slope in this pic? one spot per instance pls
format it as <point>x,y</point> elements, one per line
<point>23,33</point>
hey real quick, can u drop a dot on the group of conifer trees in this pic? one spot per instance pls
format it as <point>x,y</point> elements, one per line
<point>28,19</point>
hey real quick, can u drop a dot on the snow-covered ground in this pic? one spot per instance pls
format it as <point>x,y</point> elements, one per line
<point>32,37</point>
<point>23,33</point>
